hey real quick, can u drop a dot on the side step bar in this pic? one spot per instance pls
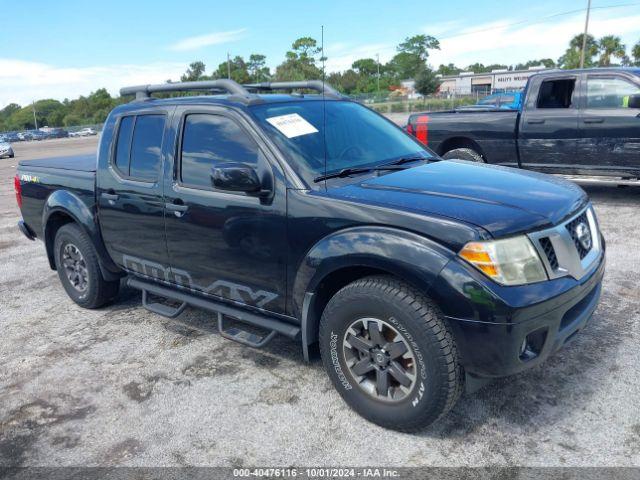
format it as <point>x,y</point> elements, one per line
<point>272,324</point>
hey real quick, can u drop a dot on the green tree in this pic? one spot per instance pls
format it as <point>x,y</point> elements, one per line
<point>258,71</point>
<point>547,62</point>
<point>412,56</point>
<point>427,82</point>
<point>571,57</point>
<point>238,68</point>
<point>611,47</point>
<point>449,69</point>
<point>194,72</point>
<point>365,66</point>
<point>300,61</point>
<point>5,113</point>
<point>635,53</point>
<point>476,68</point>
<point>50,112</point>
<point>419,45</point>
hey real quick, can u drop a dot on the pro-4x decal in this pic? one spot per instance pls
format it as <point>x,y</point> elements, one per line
<point>222,288</point>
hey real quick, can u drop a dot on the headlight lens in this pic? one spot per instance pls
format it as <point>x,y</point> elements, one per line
<point>512,261</point>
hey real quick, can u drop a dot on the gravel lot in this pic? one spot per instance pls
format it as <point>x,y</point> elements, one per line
<point>121,386</point>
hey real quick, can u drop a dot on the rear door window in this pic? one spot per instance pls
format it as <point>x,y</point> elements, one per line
<point>123,145</point>
<point>146,147</point>
<point>138,150</point>
<point>556,93</point>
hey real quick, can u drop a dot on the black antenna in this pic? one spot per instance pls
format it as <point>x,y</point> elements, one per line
<point>323,57</point>
<point>324,104</point>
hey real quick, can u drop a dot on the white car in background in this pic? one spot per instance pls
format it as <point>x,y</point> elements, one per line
<point>6,150</point>
<point>85,132</point>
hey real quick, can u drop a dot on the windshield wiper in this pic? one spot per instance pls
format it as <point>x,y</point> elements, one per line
<point>345,172</point>
<point>403,160</point>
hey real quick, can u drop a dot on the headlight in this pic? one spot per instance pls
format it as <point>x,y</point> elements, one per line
<point>512,261</point>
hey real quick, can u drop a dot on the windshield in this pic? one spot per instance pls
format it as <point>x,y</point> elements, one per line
<point>354,136</point>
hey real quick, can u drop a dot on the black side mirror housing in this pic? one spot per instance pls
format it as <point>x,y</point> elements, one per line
<point>235,177</point>
<point>634,101</point>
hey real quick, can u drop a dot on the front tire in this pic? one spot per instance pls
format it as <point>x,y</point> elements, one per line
<point>78,269</point>
<point>389,353</point>
<point>464,154</point>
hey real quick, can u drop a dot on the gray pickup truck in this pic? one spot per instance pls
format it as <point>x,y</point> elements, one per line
<point>572,122</point>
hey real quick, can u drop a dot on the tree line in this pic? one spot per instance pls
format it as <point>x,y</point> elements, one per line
<point>606,51</point>
<point>304,61</point>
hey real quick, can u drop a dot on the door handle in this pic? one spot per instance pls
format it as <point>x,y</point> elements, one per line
<point>178,209</point>
<point>110,197</point>
<point>593,120</point>
<point>537,121</point>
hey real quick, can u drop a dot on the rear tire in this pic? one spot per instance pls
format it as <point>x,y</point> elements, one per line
<point>464,154</point>
<point>383,316</point>
<point>78,268</point>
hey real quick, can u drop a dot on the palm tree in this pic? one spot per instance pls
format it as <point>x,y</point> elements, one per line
<point>610,46</point>
<point>635,53</point>
<point>571,57</point>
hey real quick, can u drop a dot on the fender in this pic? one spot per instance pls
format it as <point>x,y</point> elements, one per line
<point>407,255</point>
<point>70,204</point>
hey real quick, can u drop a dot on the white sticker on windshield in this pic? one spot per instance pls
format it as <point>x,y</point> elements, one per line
<point>292,125</point>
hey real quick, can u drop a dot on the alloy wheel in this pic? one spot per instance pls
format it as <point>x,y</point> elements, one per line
<point>380,359</point>
<point>75,267</point>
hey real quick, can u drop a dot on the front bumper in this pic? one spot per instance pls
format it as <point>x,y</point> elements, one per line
<point>506,336</point>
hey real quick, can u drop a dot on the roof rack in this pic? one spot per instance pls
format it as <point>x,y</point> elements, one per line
<point>316,85</point>
<point>143,92</point>
<point>243,93</point>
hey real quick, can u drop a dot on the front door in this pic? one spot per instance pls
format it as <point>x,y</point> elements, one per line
<point>610,129</point>
<point>549,125</point>
<point>231,245</point>
<point>130,194</point>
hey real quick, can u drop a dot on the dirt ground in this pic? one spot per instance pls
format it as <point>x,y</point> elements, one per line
<point>122,386</point>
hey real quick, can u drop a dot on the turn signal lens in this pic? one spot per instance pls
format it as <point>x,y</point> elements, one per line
<point>512,261</point>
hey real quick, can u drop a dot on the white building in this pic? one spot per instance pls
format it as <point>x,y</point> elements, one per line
<point>467,83</point>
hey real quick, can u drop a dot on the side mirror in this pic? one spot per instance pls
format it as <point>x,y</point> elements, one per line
<point>634,101</point>
<point>235,177</point>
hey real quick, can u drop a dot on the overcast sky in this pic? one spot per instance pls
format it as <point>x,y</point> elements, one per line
<point>70,48</point>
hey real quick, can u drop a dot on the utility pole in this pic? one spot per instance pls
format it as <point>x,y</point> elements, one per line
<point>35,120</point>
<point>584,37</point>
<point>229,65</point>
<point>378,80</point>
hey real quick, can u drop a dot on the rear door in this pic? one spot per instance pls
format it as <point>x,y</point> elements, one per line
<point>130,194</point>
<point>548,133</point>
<point>610,130</point>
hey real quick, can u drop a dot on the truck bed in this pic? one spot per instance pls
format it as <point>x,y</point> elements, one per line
<point>50,180</point>
<point>494,131</point>
<point>80,163</point>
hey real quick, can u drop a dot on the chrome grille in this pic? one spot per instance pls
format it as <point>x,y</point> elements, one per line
<point>561,249</point>
<point>571,228</point>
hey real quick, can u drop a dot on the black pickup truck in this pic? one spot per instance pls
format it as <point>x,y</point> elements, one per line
<point>571,122</point>
<point>313,217</point>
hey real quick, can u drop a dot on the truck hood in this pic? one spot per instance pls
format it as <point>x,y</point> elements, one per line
<point>502,200</point>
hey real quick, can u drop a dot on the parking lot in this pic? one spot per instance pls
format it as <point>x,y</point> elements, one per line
<point>122,386</point>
